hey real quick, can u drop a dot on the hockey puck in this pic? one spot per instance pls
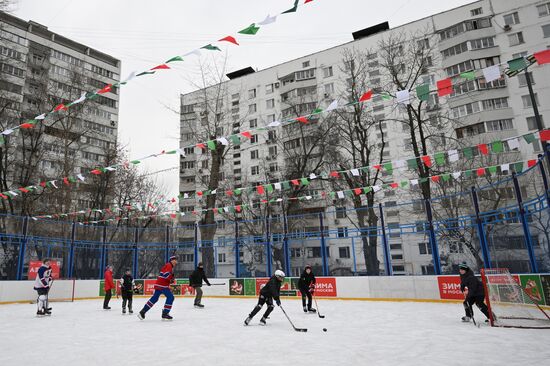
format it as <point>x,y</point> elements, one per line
<point>324,329</point>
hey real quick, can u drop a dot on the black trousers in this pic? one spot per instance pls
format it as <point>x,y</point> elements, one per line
<point>107,299</point>
<point>127,297</point>
<point>306,294</point>
<point>479,301</point>
<point>261,301</point>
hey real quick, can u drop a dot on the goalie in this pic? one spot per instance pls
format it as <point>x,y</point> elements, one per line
<point>472,289</point>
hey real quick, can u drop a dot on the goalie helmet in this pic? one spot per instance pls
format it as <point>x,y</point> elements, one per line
<point>279,273</point>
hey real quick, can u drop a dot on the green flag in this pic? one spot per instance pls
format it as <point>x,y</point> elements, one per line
<point>497,147</point>
<point>367,190</point>
<point>386,96</point>
<point>140,74</point>
<point>469,75</point>
<point>529,138</point>
<point>467,173</point>
<point>517,64</point>
<point>423,92</point>
<point>332,195</point>
<point>252,29</point>
<point>492,169</point>
<point>211,144</point>
<point>269,188</point>
<point>238,191</point>
<point>175,58</point>
<point>317,111</point>
<point>135,162</point>
<point>446,177</point>
<point>365,169</point>
<point>412,164</point>
<point>235,139</point>
<point>285,184</point>
<point>468,152</point>
<point>304,181</point>
<point>423,180</point>
<point>518,167</point>
<point>389,168</point>
<point>440,158</point>
<point>211,48</point>
<point>2,140</point>
<point>293,9</point>
<point>405,184</point>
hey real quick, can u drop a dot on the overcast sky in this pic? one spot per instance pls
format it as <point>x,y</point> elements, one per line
<point>144,33</point>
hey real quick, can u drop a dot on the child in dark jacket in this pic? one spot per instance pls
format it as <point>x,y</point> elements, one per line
<point>195,281</point>
<point>306,285</point>
<point>271,291</point>
<point>473,291</point>
<point>127,285</point>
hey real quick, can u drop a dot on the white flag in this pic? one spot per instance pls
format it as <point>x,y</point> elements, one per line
<point>181,152</point>
<point>130,77</point>
<point>457,175</point>
<point>53,183</point>
<point>340,194</point>
<point>355,172</point>
<point>453,155</point>
<point>110,168</point>
<point>194,52</point>
<point>81,177</point>
<point>223,141</point>
<point>376,188</point>
<point>414,182</point>
<point>274,124</point>
<point>268,20</point>
<point>226,209</point>
<point>42,116</point>
<point>399,164</point>
<point>214,191</point>
<point>312,176</point>
<point>81,99</point>
<point>308,198</point>
<point>491,73</point>
<point>332,106</point>
<point>9,131</point>
<point>186,195</point>
<point>279,200</point>
<point>13,193</point>
<point>513,143</point>
<point>403,97</point>
<point>505,167</point>
<point>277,186</point>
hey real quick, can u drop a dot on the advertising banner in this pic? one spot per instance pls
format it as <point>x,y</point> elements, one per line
<point>237,287</point>
<point>533,288</point>
<point>35,265</point>
<point>325,287</point>
<point>545,282</point>
<point>449,288</point>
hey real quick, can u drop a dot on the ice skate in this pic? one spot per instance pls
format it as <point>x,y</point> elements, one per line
<point>247,320</point>
<point>262,321</point>
<point>141,315</point>
<point>466,319</point>
<point>166,317</point>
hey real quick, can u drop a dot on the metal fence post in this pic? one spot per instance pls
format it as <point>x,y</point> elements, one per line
<point>196,246</point>
<point>433,240</point>
<point>525,225</point>
<point>22,249</point>
<point>480,232</point>
<point>354,257</point>
<point>323,245</point>
<point>268,247</point>
<point>103,252</point>
<point>237,253</point>
<point>136,253</point>
<point>167,247</point>
<point>71,251</point>
<point>385,245</point>
<point>544,178</point>
<point>285,246</point>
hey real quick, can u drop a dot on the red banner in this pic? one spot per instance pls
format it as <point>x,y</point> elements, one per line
<point>35,265</point>
<point>149,287</point>
<point>449,288</point>
<point>325,287</point>
<point>260,282</point>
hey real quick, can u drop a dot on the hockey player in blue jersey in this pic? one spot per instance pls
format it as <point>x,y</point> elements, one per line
<point>42,285</point>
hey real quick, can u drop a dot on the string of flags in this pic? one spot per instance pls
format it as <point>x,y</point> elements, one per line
<point>493,170</point>
<point>64,107</point>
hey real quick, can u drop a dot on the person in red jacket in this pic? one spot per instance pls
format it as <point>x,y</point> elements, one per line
<point>109,286</point>
<point>162,287</point>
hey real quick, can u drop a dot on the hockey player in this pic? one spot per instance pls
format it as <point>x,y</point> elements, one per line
<point>473,291</point>
<point>195,281</point>
<point>306,285</point>
<point>109,286</point>
<point>162,287</point>
<point>42,285</point>
<point>270,292</point>
<point>127,285</point>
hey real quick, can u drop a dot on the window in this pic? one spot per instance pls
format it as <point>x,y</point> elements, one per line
<point>396,247</point>
<point>466,109</point>
<point>190,108</point>
<point>292,144</point>
<point>423,43</point>
<point>465,26</point>
<point>424,248</point>
<point>188,257</point>
<point>221,258</point>
<point>304,75</point>
<point>270,103</point>
<point>254,139</point>
<point>523,79</point>
<point>544,9</point>
<point>235,96</point>
<point>252,108</point>
<point>315,252</point>
<point>252,94</point>
<point>305,64</point>
<point>511,19</point>
<point>500,125</point>
<point>103,72</point>
<point>67,58</point>
<point>327,72</point>
<point>532,123</point>
<point>253,123</point>
<point>428,269</point>
<point>472,130</point>
<point>516,39</point>
<point>255,170</point>
<point>271,136</point>
<point>8,52</point>
<point>497,103</point>
<point>478,44</point>
<point>483,85</point>
<point>273,167</point>
<point>546,30</point>
<point>476,11</point>
<point>329,88</point>
<point>341,212</point>
<point>342,232</point>
<point>269,88</point>
<point>295,252</point>
<point>254,154</point>
<point>187,164</point>
<point>455,50</point>
<point>8,69</point>
<point>273,151</point>
<point>526,99</point>
<point>460,68</point>
<point>344,252</point>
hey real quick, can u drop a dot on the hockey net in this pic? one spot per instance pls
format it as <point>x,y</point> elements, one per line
<point>510,304</point>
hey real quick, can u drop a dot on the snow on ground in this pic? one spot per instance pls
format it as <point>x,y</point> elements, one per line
<point>359,333</point>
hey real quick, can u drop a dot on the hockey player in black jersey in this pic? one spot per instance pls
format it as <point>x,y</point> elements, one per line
<point>270,292</point>
<point>127,285</point>
<point>306,285</point>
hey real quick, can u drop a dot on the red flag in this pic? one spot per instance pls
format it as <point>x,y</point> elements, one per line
<point>394,185</point>
<point>543,57</point>
<point>96,172</point>
<point>444,87</point>
<point>427,160</point>
<point>238,208</point>
<point>481,172</point>
<point>307,1</point>
<point>302,119</point>
<point>106,89</point>
<point>357,191</point>
<point>247,134</point>
<point>531,163</point>
<point>260,189</point>
<point>229,39</point>
<point>544,135</point>
<point>215,210</point>
<point>66,180</point>
<point>334,174</point>
<point>229,193</point>
<point>199,193</point>
<point>60,107</point>
<point>483,148</point>
<point>3,196</point>
<point>435,178</point>
<point>173,216</point>
<point>43,184</point>
<point>161,67</point>
<point>24,190</point>
<point>366,96</point>
<point>295,182</point>
<point>377,167</point>
<point>26,126</point>
<point>201,145</point>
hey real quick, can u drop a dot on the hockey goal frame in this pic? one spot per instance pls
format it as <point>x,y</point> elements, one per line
<point>52,296</point>
<point>525,293</point>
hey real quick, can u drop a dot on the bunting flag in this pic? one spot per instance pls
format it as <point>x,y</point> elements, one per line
<point>229,39</point>
<point>210,47</point>
<point>444,87</point>
<point>542,57</point>
<point>106,89</point>
<point>403,97</point>
<point>174,59</point>
<point>366,96</point>
<point>268,20</point>
<point>302,120</point>
<point>423,92</point>
<point>293,9</point>
<point>251,29</point>
<point>161,67</point>
<point>468,75</point>
<point>491,73</point>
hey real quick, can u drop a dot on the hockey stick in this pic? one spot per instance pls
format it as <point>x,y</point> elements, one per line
<point>290,321</point>
<point>317,305</point>
<point>472,314</point>
<point>217,284</point>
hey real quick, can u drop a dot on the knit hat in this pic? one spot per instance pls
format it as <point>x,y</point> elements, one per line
<point>199,264</point>
<point>307,266</point>
<point>172,258</point>
<point>463,265</point>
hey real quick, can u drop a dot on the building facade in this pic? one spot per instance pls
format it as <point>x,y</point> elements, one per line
<point>39,69</point>
<point>468,38</point>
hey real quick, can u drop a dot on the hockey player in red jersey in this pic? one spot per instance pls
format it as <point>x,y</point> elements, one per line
<point>162,287</point>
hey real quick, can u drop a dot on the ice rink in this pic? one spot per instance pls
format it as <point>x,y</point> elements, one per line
<point>359,333</point>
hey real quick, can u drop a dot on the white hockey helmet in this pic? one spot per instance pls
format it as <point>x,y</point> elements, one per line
<point>279,273</point>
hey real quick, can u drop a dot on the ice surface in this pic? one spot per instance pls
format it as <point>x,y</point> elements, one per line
<point>359,333</point>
